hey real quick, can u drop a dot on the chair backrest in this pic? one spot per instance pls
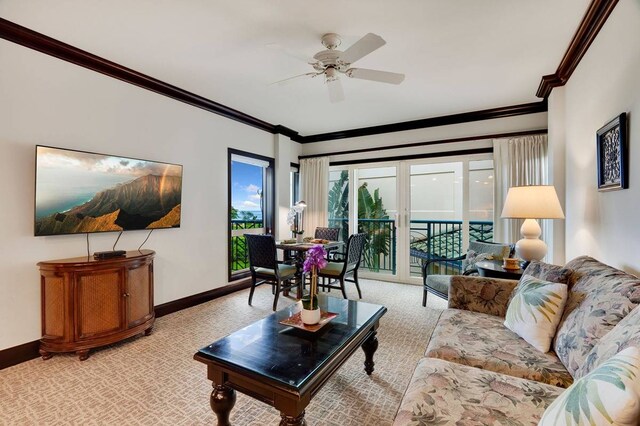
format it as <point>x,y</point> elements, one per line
<point>262,251</point>
<point>355,247</point>
<point>479,250</point>
<point>331,234</point>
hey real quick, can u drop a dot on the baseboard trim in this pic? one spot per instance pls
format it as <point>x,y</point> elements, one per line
<point>28,351</point>
<point>197,299</point>
<point>18,354</point>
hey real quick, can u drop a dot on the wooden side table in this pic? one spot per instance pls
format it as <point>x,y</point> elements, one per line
<point>494,269</point>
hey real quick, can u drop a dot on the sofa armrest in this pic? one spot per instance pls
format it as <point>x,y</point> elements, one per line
<point>478,294</point>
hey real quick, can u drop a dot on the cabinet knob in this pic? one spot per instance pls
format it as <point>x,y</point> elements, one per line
<point>126,295</point>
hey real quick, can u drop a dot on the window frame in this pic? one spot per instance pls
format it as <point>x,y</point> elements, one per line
<point>269,202</point>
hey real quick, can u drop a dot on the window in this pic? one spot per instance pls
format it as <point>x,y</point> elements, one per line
<point>251,201</point>
<point>294,184</point>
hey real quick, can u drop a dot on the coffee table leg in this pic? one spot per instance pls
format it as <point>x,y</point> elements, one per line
<point>369,347</point>
<point>222,401</point>
<point>292,421</point>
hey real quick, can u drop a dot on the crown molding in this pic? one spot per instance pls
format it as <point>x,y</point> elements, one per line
<point>444,120</point>
<point>592,22</point>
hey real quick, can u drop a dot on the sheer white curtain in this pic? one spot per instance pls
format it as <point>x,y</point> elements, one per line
<point>314,190</point>
<point>517,161</point>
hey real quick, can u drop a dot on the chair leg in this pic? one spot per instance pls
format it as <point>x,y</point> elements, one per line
<point>344,292</point>
<point>275,300</point>
<point>253,287</point>
<point>355,280</point>
<point>424,297</point>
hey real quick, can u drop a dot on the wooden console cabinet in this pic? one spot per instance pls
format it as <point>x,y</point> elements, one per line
<point>88,303</point>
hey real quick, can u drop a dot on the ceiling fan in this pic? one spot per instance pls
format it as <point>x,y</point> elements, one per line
<point>332,62</point>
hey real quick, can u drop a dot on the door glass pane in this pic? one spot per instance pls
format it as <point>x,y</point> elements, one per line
<point>339,202</point>
<point>436,216</point>
<point>247,212</point>
<point>377,210</point>
<point>481,200</point>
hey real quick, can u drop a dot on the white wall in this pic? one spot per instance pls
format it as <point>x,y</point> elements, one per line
<point>44,100</point>
<point>286,152</point>
<point>605,84</point>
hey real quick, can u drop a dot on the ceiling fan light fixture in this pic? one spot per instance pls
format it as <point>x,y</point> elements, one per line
<point>331,74</point>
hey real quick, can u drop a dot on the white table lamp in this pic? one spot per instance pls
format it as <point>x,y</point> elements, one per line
<point>531,203</point>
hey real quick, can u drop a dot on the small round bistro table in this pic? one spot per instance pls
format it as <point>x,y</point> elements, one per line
<point>494,269</point>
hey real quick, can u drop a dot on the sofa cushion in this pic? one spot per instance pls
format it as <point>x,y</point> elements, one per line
<point>609,395</point>
<point>623,335</point>
<point>481,340</point>
<point>600,296</point>
<point>441,393</point>
<point>535,311</point>
<point>548,272</point>
<point>480,294</point>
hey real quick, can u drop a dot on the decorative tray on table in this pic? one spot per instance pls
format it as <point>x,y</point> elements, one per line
<point>319,241</point>
<point>295,321</point>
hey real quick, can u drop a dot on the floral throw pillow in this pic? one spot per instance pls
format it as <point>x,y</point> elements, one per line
<point>535,310</point>
<point>609,395</point>
<point>474,257</point>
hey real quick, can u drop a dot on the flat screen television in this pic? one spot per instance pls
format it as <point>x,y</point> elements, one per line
<point>83,192</point>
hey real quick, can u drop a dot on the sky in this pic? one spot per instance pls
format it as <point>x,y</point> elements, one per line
<point>247,181</point>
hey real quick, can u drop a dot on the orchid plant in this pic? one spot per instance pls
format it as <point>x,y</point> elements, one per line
<point>292,219</point>
<point>315,260</point>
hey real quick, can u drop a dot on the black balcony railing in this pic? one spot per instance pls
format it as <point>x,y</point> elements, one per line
<point>239,251</point>
<point>442,239</point>
<point>431,239</point>
<point>379,253</point>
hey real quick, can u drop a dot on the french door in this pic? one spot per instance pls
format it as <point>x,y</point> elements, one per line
<point>413,211</point>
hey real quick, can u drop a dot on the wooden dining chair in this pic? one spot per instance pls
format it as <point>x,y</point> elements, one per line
<point>337,272</point>
<point>331,234</point>
<point>265,268</point>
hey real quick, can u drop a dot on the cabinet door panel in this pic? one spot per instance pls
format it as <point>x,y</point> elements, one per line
<point>99,303</point>
<point>53,306</point>
<point>139,303</point>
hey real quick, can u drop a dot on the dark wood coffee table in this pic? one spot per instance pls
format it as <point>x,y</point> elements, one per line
<point>283,366</point>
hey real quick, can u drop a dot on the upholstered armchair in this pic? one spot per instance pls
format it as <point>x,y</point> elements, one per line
<point>438,284</point>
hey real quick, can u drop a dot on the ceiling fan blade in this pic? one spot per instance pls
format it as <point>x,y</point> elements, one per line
<point>375,75</point>
<point>362,48</point>
<point>336,94</point>
<point>291,53</point>
<point>290,79</point>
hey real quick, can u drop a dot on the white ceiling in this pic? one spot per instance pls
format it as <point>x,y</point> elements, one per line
<point>458,55</point>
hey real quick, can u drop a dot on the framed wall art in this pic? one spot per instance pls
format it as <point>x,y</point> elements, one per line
<point>612,154</point>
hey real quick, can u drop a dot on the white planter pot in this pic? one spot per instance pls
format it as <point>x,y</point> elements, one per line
<point>310,317</point>
<point>299,238</point>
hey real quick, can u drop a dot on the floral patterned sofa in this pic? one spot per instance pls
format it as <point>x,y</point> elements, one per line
<point>478,372</point>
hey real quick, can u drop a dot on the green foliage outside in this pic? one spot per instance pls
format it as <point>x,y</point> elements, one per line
<point>369,207</point>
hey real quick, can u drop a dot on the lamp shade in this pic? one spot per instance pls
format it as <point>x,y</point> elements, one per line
<point>532,202</point>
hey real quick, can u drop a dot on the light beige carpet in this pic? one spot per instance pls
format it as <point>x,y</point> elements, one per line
<point>155,381</point>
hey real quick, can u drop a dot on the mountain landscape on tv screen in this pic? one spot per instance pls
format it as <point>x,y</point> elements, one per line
<point>142,201</point>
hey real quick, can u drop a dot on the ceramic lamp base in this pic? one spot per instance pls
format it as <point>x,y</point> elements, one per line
<point>531,247</point>
<point>310,317</point>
